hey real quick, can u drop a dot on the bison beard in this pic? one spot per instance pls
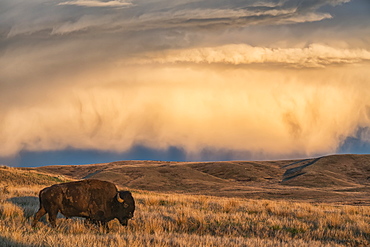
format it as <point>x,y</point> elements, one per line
<point>97,201</point>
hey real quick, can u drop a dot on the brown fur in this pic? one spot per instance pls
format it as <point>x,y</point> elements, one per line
<point>92,199</point>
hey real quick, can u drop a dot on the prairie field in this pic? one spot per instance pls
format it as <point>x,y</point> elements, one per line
<point>174,218</point>
<point>186,220</point>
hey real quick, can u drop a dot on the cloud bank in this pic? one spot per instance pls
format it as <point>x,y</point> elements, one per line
<point>315,55</point>
<point>279,112</point>
<point>264,79</point>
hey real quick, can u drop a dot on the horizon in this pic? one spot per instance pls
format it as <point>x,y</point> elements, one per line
<point>63,158</point>
<point>182,81</point>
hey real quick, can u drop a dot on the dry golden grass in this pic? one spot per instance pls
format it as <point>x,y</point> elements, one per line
<point>184,220</point>
<point>10,176</point>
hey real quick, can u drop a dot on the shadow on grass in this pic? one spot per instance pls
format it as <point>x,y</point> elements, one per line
<point>11,243</point>
<point>24,200</point>
<point>29,204</point>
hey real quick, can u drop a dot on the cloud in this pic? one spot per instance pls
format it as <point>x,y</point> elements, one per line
<point>84,23</point>
<point>226,15</point>
<point>276,112</point>
<point>315,55</point>
<point>262,78</point>
<point>97,3</point>
<point>28,17</point>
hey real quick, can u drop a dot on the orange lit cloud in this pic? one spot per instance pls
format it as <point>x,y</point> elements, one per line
<point>268,78</point>
<point>280,112</point>
<point>315,55</point>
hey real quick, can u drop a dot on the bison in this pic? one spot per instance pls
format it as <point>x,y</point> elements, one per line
<point>97,201</point>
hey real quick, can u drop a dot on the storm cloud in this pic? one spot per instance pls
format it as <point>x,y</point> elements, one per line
<point>249,79</point>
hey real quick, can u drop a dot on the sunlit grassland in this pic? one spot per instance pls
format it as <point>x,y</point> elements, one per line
<point>184,220</point>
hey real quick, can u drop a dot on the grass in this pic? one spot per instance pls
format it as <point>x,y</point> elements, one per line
<point>341,179</point>
<point>10,176</point>
<point>184,220</point>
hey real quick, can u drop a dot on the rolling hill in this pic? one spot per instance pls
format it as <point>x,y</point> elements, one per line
<point>177,219</point>
<point>335,178</point>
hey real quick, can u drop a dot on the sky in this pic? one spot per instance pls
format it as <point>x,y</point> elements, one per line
<point>91,81</point>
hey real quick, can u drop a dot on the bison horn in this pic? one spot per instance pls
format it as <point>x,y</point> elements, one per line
<point>119,199</point>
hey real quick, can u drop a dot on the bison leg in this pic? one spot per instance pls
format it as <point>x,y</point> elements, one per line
<point>53,212</point>
<point>105,226</point>
<point>89,222</point>
<point>38,215</point>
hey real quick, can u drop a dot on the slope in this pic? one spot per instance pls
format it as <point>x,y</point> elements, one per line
<point>329,178</point>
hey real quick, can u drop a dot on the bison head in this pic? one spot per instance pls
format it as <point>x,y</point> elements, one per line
<point>126,207</point>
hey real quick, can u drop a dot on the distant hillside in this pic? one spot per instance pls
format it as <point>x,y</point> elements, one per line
<point>329,171</point>
<point>10,176</point>
<point>329,178</point>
